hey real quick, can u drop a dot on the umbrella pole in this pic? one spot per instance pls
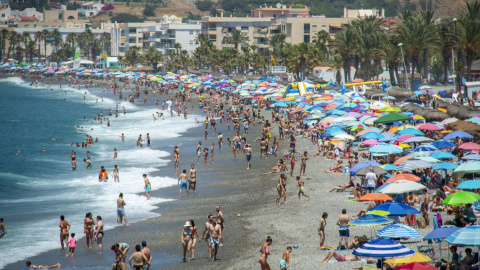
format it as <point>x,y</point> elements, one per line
<point>440,249</point>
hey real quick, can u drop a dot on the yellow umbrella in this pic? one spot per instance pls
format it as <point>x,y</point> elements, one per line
<point>390,109</point>
<point>403,145</point>
<point>418,257</point>
<point>446,131</point>
<point>405,127</point>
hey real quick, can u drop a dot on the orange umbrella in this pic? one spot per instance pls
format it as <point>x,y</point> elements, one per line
<point>402,159</point>
<point>331,107</point>
<point>403,176</point>
<point>365,131</point>
<point>327,120</point>
<point>375,197</point>
<point>393,129</point>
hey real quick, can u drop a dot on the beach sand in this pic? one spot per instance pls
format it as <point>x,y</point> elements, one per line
<point>247,193</point>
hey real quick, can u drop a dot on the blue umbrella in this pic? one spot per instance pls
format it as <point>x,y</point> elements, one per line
<point>383,248</point>
<point>388,134</point>
<point>389,167</point>
<point>371,135</point>
<point>396,209</point>
<point>469,184</point>
<point>387,139</point>
<point>411,131</point>
<point>441,144</point>
<point>385,149</point>
<point>441,233</point>
<point>362,164</point>
<point>472,157</point>
<point>442,155</point>
<point>281,104</point>
<point>469,167</point>
<point>468,236</point>
<point>445,166</point>
<point>398,231</point>
<point>457,133</point>
<point>370,219</point>
<point>425,148</point>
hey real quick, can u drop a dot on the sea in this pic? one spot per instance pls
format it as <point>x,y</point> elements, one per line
<point>36,186</point>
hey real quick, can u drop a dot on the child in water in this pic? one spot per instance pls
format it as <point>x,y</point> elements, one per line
<point>72,242</point>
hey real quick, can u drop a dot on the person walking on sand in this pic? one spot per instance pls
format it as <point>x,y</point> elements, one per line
<point>138,258</point>
<point>192,178</point>
<point>88,224</point>
<point>282,189</point>
<point>371,180</point>
<point>99,234</point>
<point>264,252</point>
<point>321,229</point>
<point>215,232</point>
<point>343,222</point>
<point>64,229</point>
<point>3,231</point>
<point>206,235</point>
<point>182,181</point>
<point>248,154</point>
<point>220,221</point>
<point>72,243</point>
<point>147,187</point>
<point>199,151</point>
<point>301,186</point>
<point>121,210</point>
<point>303,165</point>
<point>212,151</point>
<point>285,261</point>
<point>148,255</point>
<point>187,241</point>
<point>205,155</point>
<point>195,237</point>
<point>176,158</point>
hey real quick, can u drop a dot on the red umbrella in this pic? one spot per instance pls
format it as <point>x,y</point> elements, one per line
<point>416,266</point>
<point>469,146</point>
<point>428,127</point>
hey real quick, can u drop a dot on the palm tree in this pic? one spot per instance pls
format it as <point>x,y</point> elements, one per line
<point>469,34</point>
<point>3,41</point>
<point>429,21</point>
<point>30,50</point>
<point>276,43</point>
<point>392,54</point>
<point>236,37</point>
<point>446,44</point>
<point>342,45</point>
<point>154,57</point>
<point>56,38</point>
<point>132,55</point>
<point>45,36</point>
<point>322,40</point>
<point>13,39</point>
<point>336,65</point>
<point>304,57</point>
<point>38,37</point>
<point>105,39</point>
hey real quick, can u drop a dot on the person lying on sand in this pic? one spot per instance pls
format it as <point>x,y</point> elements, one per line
<point>342,187</point>
<point>280,167</point>
<point>339,257</point>
<point>31,266</point>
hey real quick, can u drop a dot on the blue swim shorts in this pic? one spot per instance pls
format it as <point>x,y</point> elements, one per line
<point>183,184</point>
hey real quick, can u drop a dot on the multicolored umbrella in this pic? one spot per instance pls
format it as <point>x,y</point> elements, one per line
<point>396,209</point>
<point>468,236</point>
<point>370,220</point>
<point>383,248</point>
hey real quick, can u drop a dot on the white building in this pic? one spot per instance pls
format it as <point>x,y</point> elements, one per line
<point>165,36</point>
<point>90,8</point>
<point>28,14</point>
<point>127,35</point>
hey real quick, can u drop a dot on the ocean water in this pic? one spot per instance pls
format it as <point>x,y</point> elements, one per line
<point>37,187</point>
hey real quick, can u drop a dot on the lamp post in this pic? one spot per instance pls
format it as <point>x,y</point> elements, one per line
<point>458,78</point>
<point>404,65</point>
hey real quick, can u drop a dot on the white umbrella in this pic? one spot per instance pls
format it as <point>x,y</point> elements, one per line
<point>344,119</point>
<point>449,120</point>
<point>413,164</point>
<point>370,120</point>
<point>418,139</point>
<point>344,136</point>
<point>377,105</point>
<point>425,87</point>
<point>401,186</point>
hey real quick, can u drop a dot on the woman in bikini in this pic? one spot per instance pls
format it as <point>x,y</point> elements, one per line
<point>292,162</point>
<point>195,237</point>
<point>64,228</point>
<point>281,188</point>
<point>99,233</point>
<point>264,252</point>
<point>116,173</point>
<point>88,228</point>
<point>212,151</point>
<point>280,167</point>
<point>187,241</point>
<point>303,165</point>
<point>342,187</point>
<point>321,229</point>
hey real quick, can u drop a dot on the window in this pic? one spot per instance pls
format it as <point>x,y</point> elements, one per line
<point>132,30</point>
<point>244,28</point>
<point>314,28</point>
<point>306,28</point>
<point>191,43</point>
<point>324,27</point>
<point>306,38</point>
<point>191,32</point>
<point>131,40</point>
<point>3,15</point>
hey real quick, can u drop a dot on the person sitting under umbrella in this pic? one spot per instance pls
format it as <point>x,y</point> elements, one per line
<point>466,263</point>
<point>453,264</point>
<point>436,205</point>
<point>339,257</point>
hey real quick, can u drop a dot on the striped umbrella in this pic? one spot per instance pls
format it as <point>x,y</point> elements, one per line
<point>413,164</point>
<point>468,236</point>
<point>383,248</point>
<point>398,231</point>
<point>369,220</point>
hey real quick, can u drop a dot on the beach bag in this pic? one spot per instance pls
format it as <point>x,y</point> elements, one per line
<point>439,219</point>
<point>421,223</point>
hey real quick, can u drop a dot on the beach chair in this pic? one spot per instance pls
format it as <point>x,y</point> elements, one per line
<point>427,250</point>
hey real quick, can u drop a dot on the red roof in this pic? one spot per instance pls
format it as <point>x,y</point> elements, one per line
<point>28,18</point>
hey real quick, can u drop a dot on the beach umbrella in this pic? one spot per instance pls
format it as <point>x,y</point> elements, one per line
<point>418,258</point>
<point>414,164</point>
<point>370,220</point>
<point>457,133</point>
<point>469,184</point>
<point>472,157</point>
<point>388,167</point>
<point>376,169</point>
<point>344,136</point>
<point>389,109</point>
<point>469,146</point>
<point>396,209</point>
<point>365,131</point>
<point>425,148</point>
<point>428,127</point>
<point>442,155</point>
<point>377,212</point>
<point>428,159</point>
<point>401,186</point>
<point>383,248</point>
<point>441,144</point>
<point>392,117</point>
<point>469,167</point>
<point>404,137</point>
<point>418,139</point>
<point>441,233</point>
<point>384,148</point>
<point>445,166</point>
<point>411,131</point>
<point>370,121</point>
<point>362,164</point>
<point>468,236</point>
<point>370,142</point>
<point>416,266</point>
<point>375,197</point>
<point>461,197</point>
<point>398,231</point>
<point>387,139</point>
<point>371,135</point>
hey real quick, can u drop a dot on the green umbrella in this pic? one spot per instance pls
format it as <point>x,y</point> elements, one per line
<point>392,117</point>
<point>390,109</point>
<point>461,197</point>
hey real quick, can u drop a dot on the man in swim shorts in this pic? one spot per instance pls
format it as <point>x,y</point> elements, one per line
<point>148,254</point>
<point>215,232</point>
<point>206,235</point>
<point>182,181</point>
<point>121,210</point>
<point>285,261</point>
<point>3,230</point>
<point>248,153</point>
<point>192,178</point>
<point>343,221</point>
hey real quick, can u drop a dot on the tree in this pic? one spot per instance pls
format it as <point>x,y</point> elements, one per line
<point>392,54</point>
<point>276,43</point>
<point>56,38</point>
<point>13,39</point>
<point>303,58</point>
<point>235,37</point>
<point>125,17</point>
<point>132,56</point>
<point>336,65</point>
<point>105,40</point>
<point>469,35</point>
<point>322,40</point>
<point>446,44</point>
<point>204,5</point>
<point>154,57</point>
<point>38,37</point>
<point>45,36</point>
<point>342,45</point>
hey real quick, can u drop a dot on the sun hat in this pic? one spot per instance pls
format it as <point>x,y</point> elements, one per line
<point>187,224</point>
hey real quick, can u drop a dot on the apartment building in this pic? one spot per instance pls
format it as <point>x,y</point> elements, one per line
<point>164,36</point>
<point>126,35</point>
<point>300,30</point>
